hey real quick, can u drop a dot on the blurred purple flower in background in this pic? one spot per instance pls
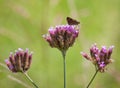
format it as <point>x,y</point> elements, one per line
<point>100,57</point>
<point>20,61</point>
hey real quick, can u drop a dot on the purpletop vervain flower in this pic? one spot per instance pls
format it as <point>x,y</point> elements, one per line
<point>62,36</point>
<point>100,57</point>
<point>20,61</point>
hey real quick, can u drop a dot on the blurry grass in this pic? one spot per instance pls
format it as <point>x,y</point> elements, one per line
<point>23,22</point>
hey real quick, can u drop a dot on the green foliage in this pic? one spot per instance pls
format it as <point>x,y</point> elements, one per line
<point>23,22</point>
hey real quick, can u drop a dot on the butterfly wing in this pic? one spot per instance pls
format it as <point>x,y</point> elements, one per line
<point>71,21</point>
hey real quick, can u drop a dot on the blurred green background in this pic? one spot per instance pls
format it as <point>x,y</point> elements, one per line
<point>23,22</point>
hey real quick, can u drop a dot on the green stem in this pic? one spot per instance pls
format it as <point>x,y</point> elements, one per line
<point>28,77</point>
<point>92,78</point>
<point>64,67</point>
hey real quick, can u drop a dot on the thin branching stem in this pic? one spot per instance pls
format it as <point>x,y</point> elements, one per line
<point>28,77</point>
<point>92,79</point>
<point>64,67</point>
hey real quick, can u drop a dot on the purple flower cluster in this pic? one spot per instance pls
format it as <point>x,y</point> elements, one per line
<point>99,57</point>
<point>62,36</point>
<point>20,61</point>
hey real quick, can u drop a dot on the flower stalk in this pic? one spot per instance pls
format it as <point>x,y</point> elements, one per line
<point>92,79</point>
<point>64,67</point>
<point>28,77</point>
